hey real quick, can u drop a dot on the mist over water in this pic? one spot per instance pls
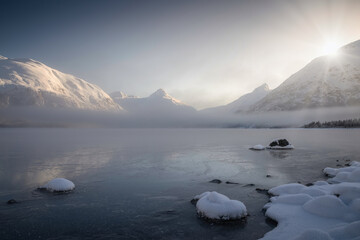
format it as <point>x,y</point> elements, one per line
<point>42,117</point>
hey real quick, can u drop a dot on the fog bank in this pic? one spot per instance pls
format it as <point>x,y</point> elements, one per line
<point>43,117</point>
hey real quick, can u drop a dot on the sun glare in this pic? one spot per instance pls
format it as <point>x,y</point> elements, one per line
<point>330,48</point>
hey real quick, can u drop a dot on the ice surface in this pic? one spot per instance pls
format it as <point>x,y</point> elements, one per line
<point>323,211</point>
<point>214,205</point>
<point>59,185</point>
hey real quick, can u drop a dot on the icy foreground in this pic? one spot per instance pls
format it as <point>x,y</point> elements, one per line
<point>322,211</point>
<point>213,205</point>
<point>59,185</point>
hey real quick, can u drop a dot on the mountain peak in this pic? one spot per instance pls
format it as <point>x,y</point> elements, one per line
<point>159,93</point>
<point>263,87</point>
<point>118,95</point>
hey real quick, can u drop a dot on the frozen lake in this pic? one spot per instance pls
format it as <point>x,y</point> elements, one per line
<point>138,183</point>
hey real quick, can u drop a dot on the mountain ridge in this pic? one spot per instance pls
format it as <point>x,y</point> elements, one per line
<point>160,101</point>
<point>327,81</point>
<point>27,82</point>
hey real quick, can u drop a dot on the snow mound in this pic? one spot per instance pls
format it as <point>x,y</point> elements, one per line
<point>213,205</point>
<point>347,174</point>
<point>326,206</point>
<point>258,147</point>
<point>59,185</point>
<point>347,231</point>
<point>322,211</point>
<point>291,188</point>
<point>314,234</point>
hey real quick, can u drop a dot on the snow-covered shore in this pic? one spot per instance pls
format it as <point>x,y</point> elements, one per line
<point>327,210</point>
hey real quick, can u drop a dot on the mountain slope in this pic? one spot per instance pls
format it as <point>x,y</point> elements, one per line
<point>26,82</point>
<point>243,103</point>
<point>157,103</point>
<point>327,81</point>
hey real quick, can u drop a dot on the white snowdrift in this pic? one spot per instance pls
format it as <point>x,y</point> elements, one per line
<point>258,147</point>
<point>59,185</point>
<point>217,206</point>
<point>323,211</point>
<point>288,147</point>
<point>347,174</point>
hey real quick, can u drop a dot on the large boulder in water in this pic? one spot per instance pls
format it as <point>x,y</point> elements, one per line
<point>280,144</point>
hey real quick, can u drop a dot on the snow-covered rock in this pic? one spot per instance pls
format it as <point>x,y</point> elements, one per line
<point>26,82</point>
<point>258,147</point>
<point>159,102</point>
<point>242,104</point>
<point>59,185</point>
<point>280,144</point>
<point>326,81</point>
<point>216,206</point>
<point>321,211</point>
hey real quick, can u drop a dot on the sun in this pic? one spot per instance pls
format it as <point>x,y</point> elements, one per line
<point>330,48</point>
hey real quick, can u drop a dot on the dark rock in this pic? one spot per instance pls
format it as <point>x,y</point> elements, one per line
<point>262,190</point>
<point>218,181</point>
<point>347,160</point>
<point>249,185</point>
<point>12,201</point>
<point>347,165</point>
<point>339,165</point>
<point>194,201</point>
<point>268,175</point>
<point>337,195</point>
<point>227,222</point>
<point>337,160</point>
<point>280,142</point>
<point>271,222</point>
<point>309,184</point>
<point>228,182</point>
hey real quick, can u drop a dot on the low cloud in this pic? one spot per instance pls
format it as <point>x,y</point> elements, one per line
<point>42,117</point>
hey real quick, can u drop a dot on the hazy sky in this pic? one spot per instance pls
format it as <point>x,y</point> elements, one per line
<point>204,53</point>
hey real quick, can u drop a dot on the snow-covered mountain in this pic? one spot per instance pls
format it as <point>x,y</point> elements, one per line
<point>327,81</point>
<point>157,103</point>
<point>26,82</point>
<point>243,103</point>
